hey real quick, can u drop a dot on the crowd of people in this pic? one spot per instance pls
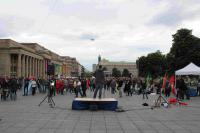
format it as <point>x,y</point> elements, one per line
<point>79,86</point>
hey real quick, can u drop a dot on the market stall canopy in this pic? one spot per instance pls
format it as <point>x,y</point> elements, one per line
<point>190,69</point>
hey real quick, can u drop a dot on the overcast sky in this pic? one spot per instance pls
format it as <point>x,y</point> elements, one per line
<point>118,30</point>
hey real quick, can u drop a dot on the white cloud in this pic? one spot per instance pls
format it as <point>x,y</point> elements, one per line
<point>120,29</point>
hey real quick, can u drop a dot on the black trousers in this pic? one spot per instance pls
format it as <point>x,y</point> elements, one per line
<point>33,90</point>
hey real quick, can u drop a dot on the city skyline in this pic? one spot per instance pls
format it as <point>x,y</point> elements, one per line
<point>118,30</point>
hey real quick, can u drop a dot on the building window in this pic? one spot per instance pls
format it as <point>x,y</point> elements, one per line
<point>13,67</point>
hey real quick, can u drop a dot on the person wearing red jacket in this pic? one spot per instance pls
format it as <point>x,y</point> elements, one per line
<point>58,84</point>
<point>87,83</point>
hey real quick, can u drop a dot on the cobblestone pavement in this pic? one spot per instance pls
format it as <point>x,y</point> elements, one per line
<point>25,116</point>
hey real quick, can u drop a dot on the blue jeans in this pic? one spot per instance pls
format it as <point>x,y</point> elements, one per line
<point>99,87</point>
<point>78,90</point>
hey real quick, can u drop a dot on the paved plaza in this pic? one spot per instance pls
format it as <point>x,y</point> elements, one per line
<point>25,116</point>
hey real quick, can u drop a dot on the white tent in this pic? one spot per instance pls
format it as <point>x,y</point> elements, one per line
<point>190,69</point>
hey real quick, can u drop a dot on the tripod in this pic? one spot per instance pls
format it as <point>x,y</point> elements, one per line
<point>159,100</point>
<point>49,98</point>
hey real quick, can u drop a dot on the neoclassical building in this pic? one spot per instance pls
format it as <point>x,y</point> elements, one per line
<point>121,65</point>
<point>30,59</point>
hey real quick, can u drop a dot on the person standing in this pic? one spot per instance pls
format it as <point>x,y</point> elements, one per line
<point>83,86</point>
<point>167,89</point>
<point>99,81</point>
<point>26,82</point>
<point>78,88</point>
<point>183,89</point>
<point>34,85</point>
<point>113,86</point>
<point>144,90</point>
<point>128,87</point>
<point>13,88</point>
<point>120,87</point>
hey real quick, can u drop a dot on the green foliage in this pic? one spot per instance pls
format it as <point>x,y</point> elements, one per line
<point>116,72</point>
<point>152,64</point>
<point>125,73</point>
<point>104,69</point>
<point>185,49</point>
<point>88,74</point>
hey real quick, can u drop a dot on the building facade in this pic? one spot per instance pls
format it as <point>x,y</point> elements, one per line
<point>31,59</point>
<point>73,67</point>
<point>121,65</point>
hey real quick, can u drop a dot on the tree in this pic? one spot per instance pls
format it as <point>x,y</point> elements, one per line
<point>116,72</point>
<point>125,73</point>
<point>152,64</point>
<point>185,49</point>
<point>88,74</point>
<point>104,69</point>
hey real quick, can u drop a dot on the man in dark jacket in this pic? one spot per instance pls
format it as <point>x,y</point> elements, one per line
<point>99,81</point>
<point>13,88</point>
<point>83,86</point>
<point>183,90</point>
<point>26,83</point>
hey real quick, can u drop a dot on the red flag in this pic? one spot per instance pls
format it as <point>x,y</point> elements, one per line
<point>171,82</point>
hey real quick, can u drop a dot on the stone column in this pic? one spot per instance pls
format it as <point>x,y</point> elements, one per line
<point>19,63</point>
<point>25,69</point>
<point>32,66</point>
<point>36,67</point>
<point>39,68</point>
<point>29,66</point>
<point>23,66</point>
<point>42,69</point>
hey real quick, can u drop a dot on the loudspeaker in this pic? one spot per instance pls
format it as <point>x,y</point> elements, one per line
<point>50,70</point>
